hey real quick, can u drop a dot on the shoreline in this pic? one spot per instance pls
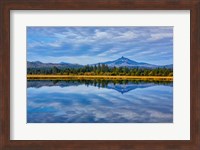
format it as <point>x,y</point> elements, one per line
<point>102,77</point>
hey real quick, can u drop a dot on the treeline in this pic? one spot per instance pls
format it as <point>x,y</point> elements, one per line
<point>102,70</point>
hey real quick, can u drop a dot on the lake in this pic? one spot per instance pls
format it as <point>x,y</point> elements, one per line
<point>99,101</point>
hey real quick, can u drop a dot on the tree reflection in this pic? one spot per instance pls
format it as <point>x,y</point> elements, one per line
<point>121,86</point>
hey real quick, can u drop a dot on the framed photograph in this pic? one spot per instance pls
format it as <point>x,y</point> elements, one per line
<point>100,74</point>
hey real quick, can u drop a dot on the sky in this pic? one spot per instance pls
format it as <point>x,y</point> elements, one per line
<point>89,45</point>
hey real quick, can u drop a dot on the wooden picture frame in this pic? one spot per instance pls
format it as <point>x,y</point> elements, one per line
<point>7,5</point>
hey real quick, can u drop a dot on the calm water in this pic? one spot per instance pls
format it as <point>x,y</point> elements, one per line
<point>99,102</point>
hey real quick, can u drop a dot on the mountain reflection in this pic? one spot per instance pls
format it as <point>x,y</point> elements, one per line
<point>121,86</point>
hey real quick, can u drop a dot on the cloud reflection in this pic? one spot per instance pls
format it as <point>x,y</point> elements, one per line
<point>89,104</point>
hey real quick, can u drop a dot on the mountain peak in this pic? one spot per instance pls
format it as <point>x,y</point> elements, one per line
<point>123,57</point>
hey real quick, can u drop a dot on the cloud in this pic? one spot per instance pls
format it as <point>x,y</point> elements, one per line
<point>105,43</point>
<point>159,36</point>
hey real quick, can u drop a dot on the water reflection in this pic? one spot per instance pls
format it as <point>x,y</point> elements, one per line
<point>121,86</point>
<point>99,101</point>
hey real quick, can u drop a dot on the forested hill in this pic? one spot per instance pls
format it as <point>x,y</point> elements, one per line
<point>121,66</point>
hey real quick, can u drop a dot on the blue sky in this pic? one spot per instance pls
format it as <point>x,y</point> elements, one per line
<point>88,45</point>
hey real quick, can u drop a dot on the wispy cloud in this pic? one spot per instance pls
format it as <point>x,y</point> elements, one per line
<point>95,44</point>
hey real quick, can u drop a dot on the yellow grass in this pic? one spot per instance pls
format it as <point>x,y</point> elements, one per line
<point>69,77</point>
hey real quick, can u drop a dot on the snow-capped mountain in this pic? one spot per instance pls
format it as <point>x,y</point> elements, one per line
<point>125,62</point>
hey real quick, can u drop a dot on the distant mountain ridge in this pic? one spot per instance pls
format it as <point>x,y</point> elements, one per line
<point>38,64</point>
<point>120,62</point>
